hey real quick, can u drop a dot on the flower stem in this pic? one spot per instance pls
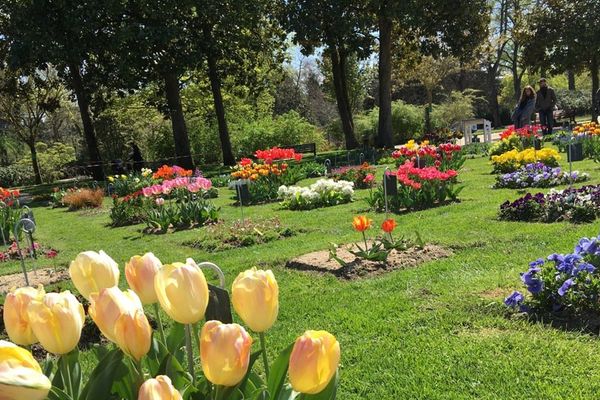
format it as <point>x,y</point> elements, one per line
<point>161,328</point>
<point>190,351</point>
<point>66,373</point>
<point>263,347</point>
<point>365,239</point>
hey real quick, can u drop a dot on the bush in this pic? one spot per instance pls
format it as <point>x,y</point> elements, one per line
<point>16,175</point>
<point>77,199</point>
<point>574,102</point>
<point>53,160</point>
<point>458,107</point>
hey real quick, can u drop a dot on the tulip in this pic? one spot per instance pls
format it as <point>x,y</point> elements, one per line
<point>314,361</point>
<point>16,319</point>
<point>133,334</point>
<point>255,297</point>
<point>107,306</point>
<point>140,272</point>
<point>182,292</point>
<point>159,388</point>
<point>389,225</point>
<point>56,321</point>
<point>92,272</point>
<point>21,377</point>
<point>361,223</point>
<point>224,352</point>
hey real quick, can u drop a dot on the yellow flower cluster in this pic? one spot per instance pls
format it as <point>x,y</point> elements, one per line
<point>412,145</point>
<point>514,159</point>
<point>588,128</point>
<point>254,171</point>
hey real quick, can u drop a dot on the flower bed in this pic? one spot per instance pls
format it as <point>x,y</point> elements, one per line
<point>10,211</point>
<point>512,160</point>
<point>123,185</point>
<point>418,188</point>
<point>562,282</point>
<point>515,139</point>
<point>574,205</point>
<point>13,253</point>
<point>445,156</point>
<point>538,175</point>
<point>175,203</point>
<point>323,193</point>
<point>266,176</point>
<point>362,176</point>
<point>249,232</point>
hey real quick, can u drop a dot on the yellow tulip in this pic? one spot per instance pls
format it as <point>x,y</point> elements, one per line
<point>92,272</point>
<point>224,352</point>
<point>255,297</point>
<point>159,388</point>
<point>314,361</point>
<point>140,272</point>
<point>133,334</point>
<point>182,292</point>
<point>21,377</point>
<point>56,321</point>
<point>107,306</point>
<point>16,319</point>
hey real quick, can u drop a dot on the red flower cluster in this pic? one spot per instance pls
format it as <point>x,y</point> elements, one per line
<point>275,154</point>
<point>9,194</point>
<point>428,151</point>
<point>525,132</point>
<point>170,172</point>
<point>408,175</point>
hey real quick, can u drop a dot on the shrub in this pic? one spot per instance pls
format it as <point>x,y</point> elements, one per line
<point>565,283</point>
<point>52,160</point>
<point>16,175</point>
<point>574,102</point>
<point>77,199</point>
<point>323,193</point>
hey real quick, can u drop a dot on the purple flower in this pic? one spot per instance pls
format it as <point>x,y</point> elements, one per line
<point>587,246</point>
<point>536,263</point>
<point>557,258</point>
<point>584,267</point>
<point>565,287</point>
<point>534,283</point>
<point>514,299</point>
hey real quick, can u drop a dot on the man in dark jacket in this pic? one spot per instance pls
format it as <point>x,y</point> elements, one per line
<point>546,100</point>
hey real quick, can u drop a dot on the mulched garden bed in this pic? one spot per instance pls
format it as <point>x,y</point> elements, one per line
<point>41,276</point>
<point>320,261</point>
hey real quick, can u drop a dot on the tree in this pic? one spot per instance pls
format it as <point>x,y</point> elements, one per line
<point>559,45</point>
<point>342,27</point>
<point>73,36</point>
<point>26,102</point>
<point>457,28</point>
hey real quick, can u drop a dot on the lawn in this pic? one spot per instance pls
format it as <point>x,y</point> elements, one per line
<point>438,331</point>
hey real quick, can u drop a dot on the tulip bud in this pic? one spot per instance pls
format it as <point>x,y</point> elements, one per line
<point>92,272</point>
<point>182,292</point>
<point>314,361</point>
<point>20,375</point>
<point>107,306</point>
<point>361,223</point>
<point>255,297</point>
<point>133,334</point>
<point>224,352</point>
<point>159,388</point>
<point>57,320</point>
<point>16,319</point>
<point>140,272</point>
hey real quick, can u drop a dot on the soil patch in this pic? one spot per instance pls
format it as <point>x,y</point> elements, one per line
<point>356,268</point>
<point>42,276</point>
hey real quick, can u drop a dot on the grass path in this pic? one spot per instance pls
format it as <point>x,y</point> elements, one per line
<point>438,331</point>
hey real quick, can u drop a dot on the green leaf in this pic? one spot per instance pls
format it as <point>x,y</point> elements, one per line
<point>100,383</point>
<point>175,340</point>
<point>58,394</point>
<point>278,372</point>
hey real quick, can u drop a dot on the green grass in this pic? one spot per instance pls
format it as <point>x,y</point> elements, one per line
<point>438,331</point>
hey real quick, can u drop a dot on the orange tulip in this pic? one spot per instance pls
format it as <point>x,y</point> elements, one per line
<point>361,223</point>
<point>140,272</point>
<point>389,225</point>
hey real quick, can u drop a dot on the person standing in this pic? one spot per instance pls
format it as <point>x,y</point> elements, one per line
<point>521,116</point>
<point>546,101</point>
<point>135,157</point>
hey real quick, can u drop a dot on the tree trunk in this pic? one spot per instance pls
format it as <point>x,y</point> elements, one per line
<point>341,96</point>
<point>180,134</point>
<point>89,131</point>
<point>215,85</point>
<point>385,138</point>
<point>571,79</point>
<point>595,86</point>
<point>428,111</point>
<point>515,74</point>
<point>34,162</point>
<point>493,98</point>
<point>462,78</point>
